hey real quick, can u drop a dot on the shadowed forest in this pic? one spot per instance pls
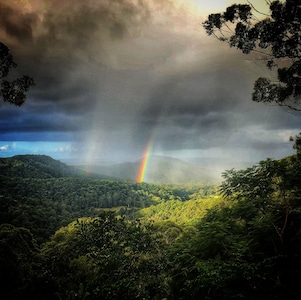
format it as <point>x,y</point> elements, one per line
<point>68,234</point>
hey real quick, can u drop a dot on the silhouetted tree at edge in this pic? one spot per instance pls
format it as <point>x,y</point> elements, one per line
<point>12,90</point>
<point>276,38</point>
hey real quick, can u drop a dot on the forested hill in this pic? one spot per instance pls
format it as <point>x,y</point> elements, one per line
<point>113,238</point>
<point>43,194</point>
<point>41,166</point>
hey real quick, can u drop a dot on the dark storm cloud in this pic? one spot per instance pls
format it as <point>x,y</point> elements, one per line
<point>40,122</point>
<point>82,26</point>
<point>15,23</point>
<point>70,38</point>
<point>71,58</point>
<point>113,74</point>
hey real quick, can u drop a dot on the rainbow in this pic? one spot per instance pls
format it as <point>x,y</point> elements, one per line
<point>144,162</point>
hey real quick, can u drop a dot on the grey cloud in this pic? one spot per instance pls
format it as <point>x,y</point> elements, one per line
<point>119,72</point>
<point>196,105</point>
<point>70,55</point>
<point>267,145</point>
<point>206,110</point>
<point>78,26</point>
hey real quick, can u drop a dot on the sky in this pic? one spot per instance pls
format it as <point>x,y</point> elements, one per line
<point>113,76</point>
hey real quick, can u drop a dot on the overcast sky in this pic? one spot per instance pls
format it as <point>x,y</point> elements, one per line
<point>112,74</point>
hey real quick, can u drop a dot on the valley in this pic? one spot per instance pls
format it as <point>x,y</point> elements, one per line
<point>119,239</point>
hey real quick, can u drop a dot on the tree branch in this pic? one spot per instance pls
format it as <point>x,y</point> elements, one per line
<point>257,9</point>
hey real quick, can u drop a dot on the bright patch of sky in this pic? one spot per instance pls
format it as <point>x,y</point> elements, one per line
<point>60,150</point>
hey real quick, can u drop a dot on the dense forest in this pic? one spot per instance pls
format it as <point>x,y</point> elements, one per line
<point>68,234</point>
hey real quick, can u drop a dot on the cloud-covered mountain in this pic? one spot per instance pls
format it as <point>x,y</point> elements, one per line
<point>163,170</point>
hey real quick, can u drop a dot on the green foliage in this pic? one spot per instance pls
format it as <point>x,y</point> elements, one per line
<point>42,194</point>
<point>106,258</point>
<point>249,248</point>
<point>276,37</point>
<point>43,205</point>
<point>179,212</point>
<point>40,166</point>
<point>273,186</point>
<point>189,243</point>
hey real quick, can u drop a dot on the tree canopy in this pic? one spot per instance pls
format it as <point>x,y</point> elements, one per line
<point>64,237</point>
<point>12,90</point>
<point>276,38</point>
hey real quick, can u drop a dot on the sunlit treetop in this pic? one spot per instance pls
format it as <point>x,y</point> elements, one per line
<point>276,37</point>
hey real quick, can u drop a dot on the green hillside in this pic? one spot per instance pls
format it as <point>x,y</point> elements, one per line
<point>80,237</point>
<point>40,166</point>
<point>43,194</point>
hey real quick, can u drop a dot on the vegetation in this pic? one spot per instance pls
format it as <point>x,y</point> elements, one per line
<point>12,91</point>
<point>42,194</point>
<point>250,247</point>
<point>105,258</point>
<point>179,212</point>
<point>88,238</point>
<point>254,252</point>
<point>275,38</point>
<point>68,234</point>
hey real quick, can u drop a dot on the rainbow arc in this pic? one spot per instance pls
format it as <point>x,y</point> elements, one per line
<point>144,162</point>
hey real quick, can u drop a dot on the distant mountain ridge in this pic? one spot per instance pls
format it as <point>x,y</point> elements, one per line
<point>160,169</point>
<point>40,166</point>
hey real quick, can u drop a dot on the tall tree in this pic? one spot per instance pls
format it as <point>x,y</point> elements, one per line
<point>12,90</point>
<point>248,247</point>
<point>276,37</point>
